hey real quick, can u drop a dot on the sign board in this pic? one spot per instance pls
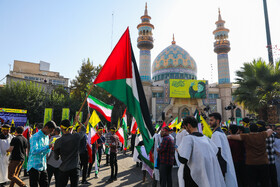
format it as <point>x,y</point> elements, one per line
<point>7,115</point>
<point>181,88</point>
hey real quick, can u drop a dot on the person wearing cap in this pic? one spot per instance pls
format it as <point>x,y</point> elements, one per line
<point>113,155</point>
<point>166,152</point>
<point>5,140</point>
<point>224,154</point>
<point>256,156</point>
<point>37,160</point>
<point>67,148</point>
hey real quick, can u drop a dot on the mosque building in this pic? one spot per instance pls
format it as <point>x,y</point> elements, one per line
<point>175,67</point>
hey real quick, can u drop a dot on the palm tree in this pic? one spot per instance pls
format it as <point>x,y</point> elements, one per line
<point>259,88</point>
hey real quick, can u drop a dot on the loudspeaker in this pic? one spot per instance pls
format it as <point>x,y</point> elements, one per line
<point>163,116</point>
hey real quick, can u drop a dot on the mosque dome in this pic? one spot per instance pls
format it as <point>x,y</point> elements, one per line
<point>174,63</point>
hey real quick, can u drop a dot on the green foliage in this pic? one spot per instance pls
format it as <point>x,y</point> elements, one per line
<point>79,85</point>
<point>258,85</point>
<point>24,95</point>
<point>31,97</point>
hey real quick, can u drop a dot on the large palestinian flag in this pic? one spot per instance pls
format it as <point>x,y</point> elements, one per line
<point>120,77</point>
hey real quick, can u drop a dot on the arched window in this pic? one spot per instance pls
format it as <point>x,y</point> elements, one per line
<point>238,113</point>
<point>185,112</point>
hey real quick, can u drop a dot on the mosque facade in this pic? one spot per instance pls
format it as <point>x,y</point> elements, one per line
<point>175,63</point>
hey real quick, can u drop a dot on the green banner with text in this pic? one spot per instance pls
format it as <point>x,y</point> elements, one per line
<point>65,113</point>
<point>48,115</point>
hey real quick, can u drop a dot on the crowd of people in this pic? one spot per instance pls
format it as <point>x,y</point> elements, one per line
<point>238,155</point>
<point>55,151</point>
<point>245,155</point>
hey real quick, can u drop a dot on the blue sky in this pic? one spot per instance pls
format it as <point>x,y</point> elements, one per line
<point>65,32</point>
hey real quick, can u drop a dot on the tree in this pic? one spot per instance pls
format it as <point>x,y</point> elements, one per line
<point>257,84</point>
<point>79,86</point>
<point>24,95</point>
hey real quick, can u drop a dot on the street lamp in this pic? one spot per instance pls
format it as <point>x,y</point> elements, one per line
<point>231,107</point>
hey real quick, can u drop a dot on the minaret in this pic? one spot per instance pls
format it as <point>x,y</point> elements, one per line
<point>222,47</point>
<point>145,44</point>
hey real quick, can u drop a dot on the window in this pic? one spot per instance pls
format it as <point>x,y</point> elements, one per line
<point>185,112</point>
<point>238,113</point>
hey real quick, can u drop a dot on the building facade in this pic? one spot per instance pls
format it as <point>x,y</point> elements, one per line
<point>37,72</point>
<point>174,62</point>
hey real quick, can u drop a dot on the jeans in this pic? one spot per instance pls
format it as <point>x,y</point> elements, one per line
<point>53,171</point>
<point>73,174</point>
<point>13,173</point>
<point>38,177</point>
<point>258,173</point>
<point>114,165</point>
<point>84,165</point>
<point>165,172</point>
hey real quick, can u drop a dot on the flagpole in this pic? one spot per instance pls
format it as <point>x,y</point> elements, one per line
<point>83,103</point>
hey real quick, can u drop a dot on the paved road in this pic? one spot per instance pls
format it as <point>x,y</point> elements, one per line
<point>128,174</point>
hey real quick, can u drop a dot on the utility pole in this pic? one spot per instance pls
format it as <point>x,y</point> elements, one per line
<point>269,46</point>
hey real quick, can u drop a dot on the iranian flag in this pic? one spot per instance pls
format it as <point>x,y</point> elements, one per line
<point>104,109</point>
<point>91,139</point>
<point>120,77</point>
<point>133,126</point>
<point>120,134</point>
<point>26,132</point>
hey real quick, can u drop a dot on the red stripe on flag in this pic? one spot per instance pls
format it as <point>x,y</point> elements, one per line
<point>94,138</point>
<point>108,118</point>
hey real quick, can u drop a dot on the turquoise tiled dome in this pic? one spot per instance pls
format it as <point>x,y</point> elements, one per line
<point>174,63</point>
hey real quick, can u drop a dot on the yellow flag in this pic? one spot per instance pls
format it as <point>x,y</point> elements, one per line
<point>206,128</point>
<point>13,123</point>
<point>178,126</point>
<point>94,119</point>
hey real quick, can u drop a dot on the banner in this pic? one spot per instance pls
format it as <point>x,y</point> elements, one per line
<point>48,115</point>
<point>65,113</point>
<point>181,88</point>
<point>7,115</point>
<point>80,116</point>
<point>11,110</point>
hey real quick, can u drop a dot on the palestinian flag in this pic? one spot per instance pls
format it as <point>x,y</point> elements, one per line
<point>102,108</point>
<point>133,126</point>
<point>120,77</point>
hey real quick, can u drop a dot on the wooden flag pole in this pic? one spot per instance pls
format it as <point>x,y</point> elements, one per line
<point>83,103</point>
